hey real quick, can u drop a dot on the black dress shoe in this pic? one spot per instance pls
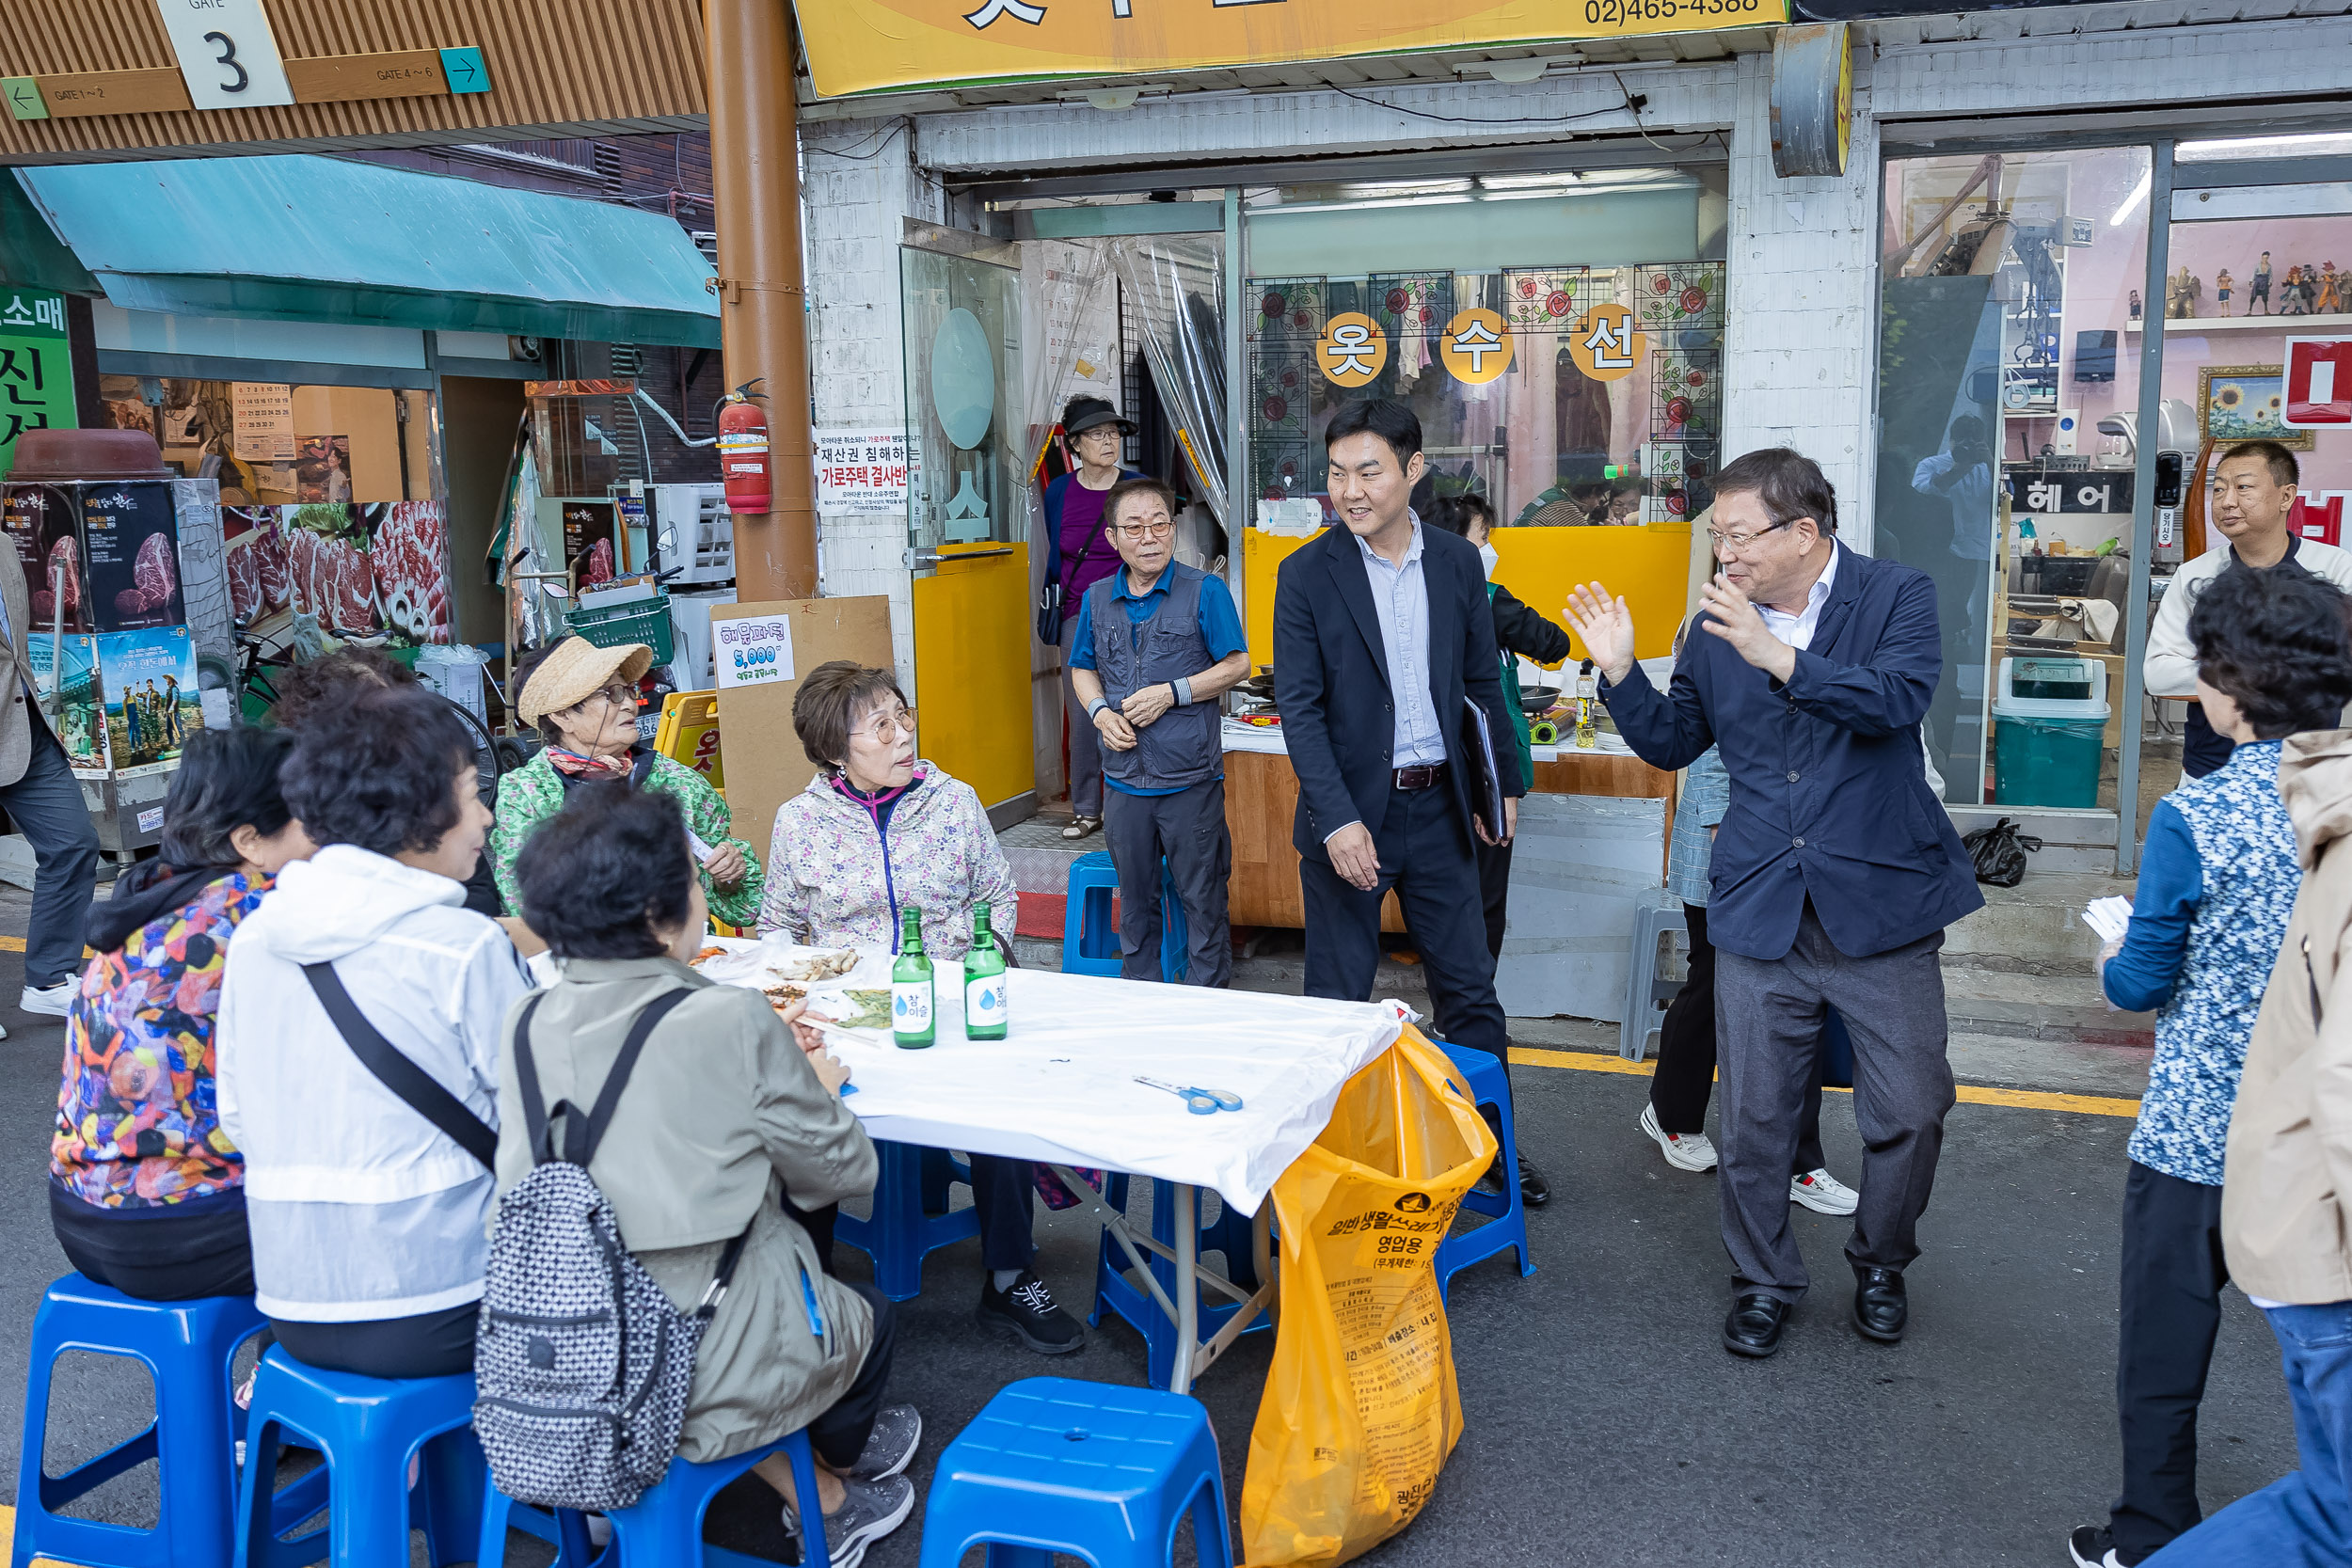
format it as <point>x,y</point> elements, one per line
<point>1533,1190</point>
<point>1880,1307</point>
<point>1754,1325</point>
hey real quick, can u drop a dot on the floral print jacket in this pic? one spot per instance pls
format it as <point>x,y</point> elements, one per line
<point>137,1124</point>
<point>533,792</point>
<point>837,878</point>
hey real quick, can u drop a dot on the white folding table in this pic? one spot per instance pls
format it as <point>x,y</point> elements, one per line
<point>1061,1091</point>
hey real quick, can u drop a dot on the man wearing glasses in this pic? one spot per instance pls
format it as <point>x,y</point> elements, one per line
<point>1834,871</point>
<point>1156,645</point>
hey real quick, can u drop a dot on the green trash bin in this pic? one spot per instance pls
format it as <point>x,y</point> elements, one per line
<point>2048,748</point>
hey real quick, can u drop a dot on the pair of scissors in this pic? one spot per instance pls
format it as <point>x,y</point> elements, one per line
<point>1200,1102</point>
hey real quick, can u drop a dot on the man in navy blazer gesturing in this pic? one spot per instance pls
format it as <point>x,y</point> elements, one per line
<point>1382,639</point>
<point>1834,874</point>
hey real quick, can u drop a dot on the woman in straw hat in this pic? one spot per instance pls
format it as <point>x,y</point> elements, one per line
<point>583,698</point>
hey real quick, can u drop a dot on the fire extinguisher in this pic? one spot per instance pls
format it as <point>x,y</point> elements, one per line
<point>743,451</point>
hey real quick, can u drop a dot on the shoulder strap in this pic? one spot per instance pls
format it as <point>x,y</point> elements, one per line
<point>527,1086</point>
<point>579,1144</point>
<point>396,1072</point>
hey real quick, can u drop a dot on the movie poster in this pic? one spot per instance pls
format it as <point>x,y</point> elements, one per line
<point>76,714</point>
<point>148,679</point>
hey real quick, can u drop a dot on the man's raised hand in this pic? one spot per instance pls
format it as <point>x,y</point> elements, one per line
<point>1605,626</point>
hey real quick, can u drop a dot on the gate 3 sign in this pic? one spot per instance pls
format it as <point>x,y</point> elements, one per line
<point>35,376</point>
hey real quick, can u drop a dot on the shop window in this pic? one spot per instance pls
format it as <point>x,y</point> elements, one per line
<point>2008,392</point>
<point>273,444</point>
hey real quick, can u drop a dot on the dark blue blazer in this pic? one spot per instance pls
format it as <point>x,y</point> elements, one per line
<point>1331,680</point>
<point>1829,795</point>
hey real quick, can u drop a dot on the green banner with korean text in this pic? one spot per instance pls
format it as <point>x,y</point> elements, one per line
<point>36,368</point>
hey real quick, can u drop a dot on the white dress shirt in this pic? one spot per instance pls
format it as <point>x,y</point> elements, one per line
<point>1797,630</point>
<point>1400,597</point>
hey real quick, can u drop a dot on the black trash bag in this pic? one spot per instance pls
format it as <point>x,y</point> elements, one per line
<point>1999,852</point>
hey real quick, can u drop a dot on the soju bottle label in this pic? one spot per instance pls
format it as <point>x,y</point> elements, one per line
<point>911,1007</point>
<point>984,1002</point>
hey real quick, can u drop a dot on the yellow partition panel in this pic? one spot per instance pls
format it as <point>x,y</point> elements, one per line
<point>1649,565</point>
<point>972,637</point>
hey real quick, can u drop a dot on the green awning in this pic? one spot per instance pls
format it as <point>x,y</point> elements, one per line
<point>30,255</point>
<point>304,238</point>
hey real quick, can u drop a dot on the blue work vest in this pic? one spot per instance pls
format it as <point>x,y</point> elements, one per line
<point>1180,748</point>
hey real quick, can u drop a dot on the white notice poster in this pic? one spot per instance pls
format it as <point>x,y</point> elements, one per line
<point>754,651</point>
<point>861,472</point>
<point>261,417</point>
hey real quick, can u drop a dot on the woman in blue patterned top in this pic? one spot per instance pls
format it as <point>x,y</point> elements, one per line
<point>2217,880</point>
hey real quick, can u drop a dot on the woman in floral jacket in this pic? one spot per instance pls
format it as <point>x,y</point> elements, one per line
<point>146,1192</point>
<point>878,831</point>
<point>584,701</point>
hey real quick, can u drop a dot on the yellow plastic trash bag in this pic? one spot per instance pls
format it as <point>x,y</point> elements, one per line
<point>1360,1408</point>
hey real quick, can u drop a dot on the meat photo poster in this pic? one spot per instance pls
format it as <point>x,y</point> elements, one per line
<point>327,565</point>
<point>407,556</point>
<point>40,521</point>
<point>149,681</point>
<point>259,585</point>
<point>130,541</point>
<point>65,676</point>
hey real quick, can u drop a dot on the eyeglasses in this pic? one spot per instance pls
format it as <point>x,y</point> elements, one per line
<point>1737,543</point>
<point>616,694</point>
<point>1136,532</point>
<point>884,730</point>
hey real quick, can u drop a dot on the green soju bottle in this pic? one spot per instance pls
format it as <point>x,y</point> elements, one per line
<point>984,1014</point>
<point>912,1024</point>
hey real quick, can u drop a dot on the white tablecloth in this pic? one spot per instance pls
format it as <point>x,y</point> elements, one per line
<point>1061,1087</point>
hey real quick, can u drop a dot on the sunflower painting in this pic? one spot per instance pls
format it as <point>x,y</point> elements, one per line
<point>2246,403</point>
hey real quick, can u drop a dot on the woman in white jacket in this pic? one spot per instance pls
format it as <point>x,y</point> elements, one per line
<point>367,1221</point>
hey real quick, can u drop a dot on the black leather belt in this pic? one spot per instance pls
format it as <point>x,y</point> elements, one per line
<point>1427,777</point>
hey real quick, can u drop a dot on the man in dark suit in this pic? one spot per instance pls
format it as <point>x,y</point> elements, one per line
<point>1834,871</point>
<point>1382,639</point>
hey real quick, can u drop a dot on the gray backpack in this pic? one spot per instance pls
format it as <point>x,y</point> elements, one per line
<point>581,1365</point>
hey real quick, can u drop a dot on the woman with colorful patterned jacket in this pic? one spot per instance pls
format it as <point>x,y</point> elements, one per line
<point>2218,883</point>
<point>146,1192</point>
<point>584,699</point>
<point>876,830</point>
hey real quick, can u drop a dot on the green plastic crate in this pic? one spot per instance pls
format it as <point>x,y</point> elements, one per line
<point>645,621</point>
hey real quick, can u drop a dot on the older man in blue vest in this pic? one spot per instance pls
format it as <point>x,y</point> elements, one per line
<point>1156,645</point>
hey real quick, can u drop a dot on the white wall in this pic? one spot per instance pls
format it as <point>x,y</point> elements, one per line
<point>1801,287</point>
<point>855,209</point>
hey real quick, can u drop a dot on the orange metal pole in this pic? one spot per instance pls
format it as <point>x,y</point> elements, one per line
<point>763,326</point>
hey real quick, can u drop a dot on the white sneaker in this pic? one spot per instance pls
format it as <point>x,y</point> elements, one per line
<point>1683,1151</point>
<point>51,1000</point>
<point>1823,1193</point>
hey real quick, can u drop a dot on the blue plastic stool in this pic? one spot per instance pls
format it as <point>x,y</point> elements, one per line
<point>365,1428</point>
<point>664,1527</point>
<point>911,1218</point>
<point>1053,1464</point>
<point>1090,937</point>
<point>187,1347</point>
<point>1230,1233</point>
<point>1508,1225</point>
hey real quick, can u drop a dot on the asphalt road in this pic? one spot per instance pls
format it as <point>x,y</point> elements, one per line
<point>1605,1423</point>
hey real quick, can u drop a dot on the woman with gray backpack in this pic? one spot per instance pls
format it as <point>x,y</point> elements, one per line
<point>645,1108</point>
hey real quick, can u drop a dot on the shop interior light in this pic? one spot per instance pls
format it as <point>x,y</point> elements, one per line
<point>2310,145</point>
<point>2131,203</point>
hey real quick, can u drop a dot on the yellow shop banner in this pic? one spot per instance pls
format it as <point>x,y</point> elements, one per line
<point>878,45</point>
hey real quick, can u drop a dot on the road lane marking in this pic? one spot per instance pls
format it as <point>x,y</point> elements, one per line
<point>1970,1094</point>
